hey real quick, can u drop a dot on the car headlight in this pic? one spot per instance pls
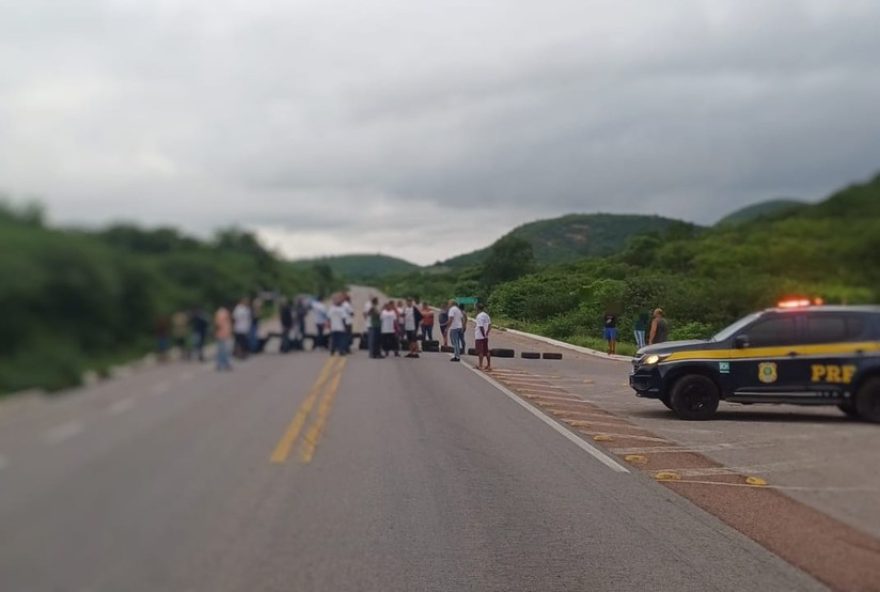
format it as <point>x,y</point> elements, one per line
<point>652,359</point>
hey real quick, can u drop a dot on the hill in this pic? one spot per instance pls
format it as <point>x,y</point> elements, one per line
<point>361,267</point>
<point>764,209</point>
<point>571,237</point>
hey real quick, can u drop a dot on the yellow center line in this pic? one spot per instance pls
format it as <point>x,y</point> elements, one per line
<point>313,435</point>
<point>282,449</point>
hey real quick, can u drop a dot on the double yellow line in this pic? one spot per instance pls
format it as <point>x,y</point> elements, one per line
<point>326,386</point>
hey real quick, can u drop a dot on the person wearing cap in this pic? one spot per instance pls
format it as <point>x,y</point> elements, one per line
<point>659,329</point>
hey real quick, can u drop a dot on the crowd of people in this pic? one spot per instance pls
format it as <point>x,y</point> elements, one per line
<point>390,329</point>
<point>647,329</point>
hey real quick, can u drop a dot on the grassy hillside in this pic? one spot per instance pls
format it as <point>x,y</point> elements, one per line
<point>361,267</point>
<point>703,278</point>
<point>764,209</point>
<point>571,237</point>
<point>77,300</point>
<point>708,280</point>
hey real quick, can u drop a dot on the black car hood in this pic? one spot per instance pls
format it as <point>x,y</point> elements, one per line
<point>669,347</point>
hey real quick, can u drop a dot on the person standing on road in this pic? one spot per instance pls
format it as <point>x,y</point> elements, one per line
<point>374,328</point>
<point>222,338</point>
<point>659,328</point>
<point>198,324</point>
<point>640,328</point>
<point>320,323</point>
<point>302,310</point>
<point>411,320</point>
<point>286,324</point>
<point>463,335</point>
<point>443,321</point>
<point>388,327</point>
<point>241,325</point>
<point>336,317</point>
<point>611,332</point>
<point>368,307</point>
<point>254,330</point>
<point>481,337</point>
<point>349,321</point>
<point>456,328</point>
<point>427,322</point>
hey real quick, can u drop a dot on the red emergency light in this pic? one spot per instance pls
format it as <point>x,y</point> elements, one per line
<point>794,303</point>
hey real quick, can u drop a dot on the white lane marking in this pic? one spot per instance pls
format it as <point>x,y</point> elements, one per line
<point>121,406</point>
<point>160,388</point>
<point>63,432</point>
<point>562,430</point>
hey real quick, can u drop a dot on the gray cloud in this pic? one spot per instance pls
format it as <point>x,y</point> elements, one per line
<point>336,126</point>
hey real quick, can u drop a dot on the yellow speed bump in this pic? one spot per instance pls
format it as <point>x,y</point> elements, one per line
<point>756,481</point>
<point>638,459</point>
<point>602,438</point>
<point>667,476</point>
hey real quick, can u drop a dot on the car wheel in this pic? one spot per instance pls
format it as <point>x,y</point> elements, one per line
<point>694,397</point>
<point>665,400</point>
<point>868,400</point>
<point>849,409</point>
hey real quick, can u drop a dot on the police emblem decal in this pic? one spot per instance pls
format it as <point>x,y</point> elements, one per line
<point>767,372</point>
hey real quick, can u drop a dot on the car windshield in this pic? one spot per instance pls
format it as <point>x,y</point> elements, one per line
<point>733,329</point>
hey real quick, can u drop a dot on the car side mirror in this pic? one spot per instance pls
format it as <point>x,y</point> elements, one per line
<point>741,342</point>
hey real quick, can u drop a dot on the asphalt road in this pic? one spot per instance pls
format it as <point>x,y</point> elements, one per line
<point>299,473</point>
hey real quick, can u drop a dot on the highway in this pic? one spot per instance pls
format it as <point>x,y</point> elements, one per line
<point>305,472</point>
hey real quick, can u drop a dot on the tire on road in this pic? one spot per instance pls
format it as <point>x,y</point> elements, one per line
<point>472,351</point>
<point>552,356</point>
<point>531,355</point>
<point>868,400</point>
<point>665,400</point>
<point>502,353</point>
<point>447,349</point>
<point>694,397</point>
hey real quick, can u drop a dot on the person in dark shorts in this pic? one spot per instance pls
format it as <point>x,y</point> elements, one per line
<point>659,328</point>
<point>443,321</point>
<point>481,337</point>
<point>611,332</point>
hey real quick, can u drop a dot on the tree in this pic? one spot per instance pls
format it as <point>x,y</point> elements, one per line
<point>509,258</point>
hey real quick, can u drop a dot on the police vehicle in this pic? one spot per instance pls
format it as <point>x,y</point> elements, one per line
<point>795,354</point>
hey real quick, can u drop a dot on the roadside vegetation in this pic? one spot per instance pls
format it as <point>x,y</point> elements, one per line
<point>80,300</point>
<point>702,278</point>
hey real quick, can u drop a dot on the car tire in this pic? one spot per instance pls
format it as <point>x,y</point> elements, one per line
<point>665,400</point>
<point>849,409</point>
<point>531,355</point>
<point>868,400</point>
<point>694,397</point>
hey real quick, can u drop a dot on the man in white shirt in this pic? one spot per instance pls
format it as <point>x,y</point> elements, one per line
<point>481,337</point>
<point>368,306</point>
<point>336,320</point>
<point>349,320</point>
<point>241,326</point>
<point>456,329</point>
<point>320,312</point>
<point>388,320</point>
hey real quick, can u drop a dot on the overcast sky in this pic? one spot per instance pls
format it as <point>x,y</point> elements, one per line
<point>427,128</point>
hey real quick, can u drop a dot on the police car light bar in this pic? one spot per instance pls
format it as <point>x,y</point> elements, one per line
<point>795,303</point>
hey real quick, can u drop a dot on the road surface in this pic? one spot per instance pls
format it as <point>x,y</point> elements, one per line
<point>302,472</point>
